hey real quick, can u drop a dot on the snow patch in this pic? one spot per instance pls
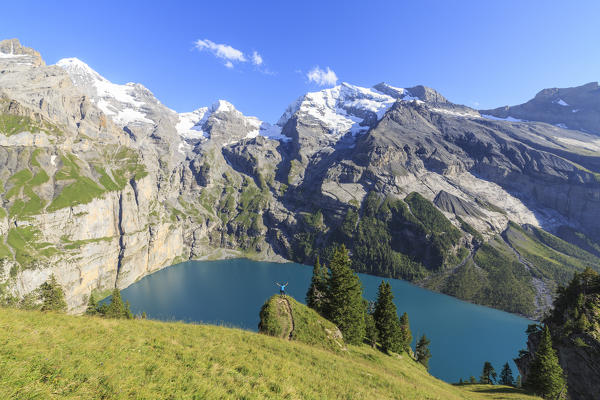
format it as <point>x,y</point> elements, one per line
<point>576,110</point>
<point>10,55</point>
<point>561,125</point>
<point>53,160</point>
<point>560,102</point>
<point>190,125</point>
<point>456,113</point>
<point>273,132</point>
<point>509,118</point>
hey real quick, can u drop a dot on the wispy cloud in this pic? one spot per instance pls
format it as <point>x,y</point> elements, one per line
<point>232,56</point>
<point>256,58</point>
<point>222,51</point>
<point>322,77</point>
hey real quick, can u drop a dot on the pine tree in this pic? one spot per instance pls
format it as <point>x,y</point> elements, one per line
<point>406,333</point>
<point>92,307</point>
<point>506,377</point>
<point>344,305</point>
<point>315,297</point>
<point>472,380</point>
<point>371,332</point>
<point>422,352</point>
<point>546,377</point>
<point>460,381</point>
<point>519,382</point>
<point>386,319</point>
<point>488,375</point>
<point>116,308</point>
<point>52,296</point>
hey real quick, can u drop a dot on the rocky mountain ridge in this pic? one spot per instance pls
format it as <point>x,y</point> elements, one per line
<point>129,186</point>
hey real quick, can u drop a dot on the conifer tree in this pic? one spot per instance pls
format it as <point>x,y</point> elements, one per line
<point>506,377</point>
<point>406,333</point>
<point>116,308</point>
<point>422,352</point>
<point>92,307</point>
<point>472,380</point>
<point>519,382</point>
<point>546,377</point>
<point>315,297</point>
<point>371,332</point>
<point>488,375</point>
<point>52,296</point>
<point>386,319</point>
<point>344,305</point>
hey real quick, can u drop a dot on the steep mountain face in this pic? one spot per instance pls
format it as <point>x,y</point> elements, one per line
<point>574,324</point>
<point>575,108</point>
<point>103,184</point>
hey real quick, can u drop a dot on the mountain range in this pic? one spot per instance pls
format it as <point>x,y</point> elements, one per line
<point>102,184</point>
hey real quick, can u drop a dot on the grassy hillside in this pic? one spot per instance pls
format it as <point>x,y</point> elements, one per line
<point>287,319</point>
<point>46,356</point>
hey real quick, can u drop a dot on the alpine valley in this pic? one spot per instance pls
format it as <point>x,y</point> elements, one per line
<point>101,184</point>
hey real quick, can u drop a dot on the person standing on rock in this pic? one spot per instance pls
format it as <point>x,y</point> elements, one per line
<point>281,288</point>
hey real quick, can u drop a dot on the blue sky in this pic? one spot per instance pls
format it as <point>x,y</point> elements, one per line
<point>480,53</point>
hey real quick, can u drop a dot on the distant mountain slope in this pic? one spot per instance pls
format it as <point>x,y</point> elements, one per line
<point>53,356</point>
<point>575,108</point>
<point>102,184</point>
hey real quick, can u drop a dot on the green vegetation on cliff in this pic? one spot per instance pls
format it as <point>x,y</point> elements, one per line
<point>13,124</point>
<point>570,332</point>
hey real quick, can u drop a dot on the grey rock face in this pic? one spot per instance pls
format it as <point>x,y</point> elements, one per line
<point>581,363</point>
<point>575,108</point>
<point>452,204</point>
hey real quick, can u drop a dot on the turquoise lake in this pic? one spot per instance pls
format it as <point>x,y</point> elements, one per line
<point>230,292</point>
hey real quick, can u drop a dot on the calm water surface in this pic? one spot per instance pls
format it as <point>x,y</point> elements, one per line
<point>231,292</point>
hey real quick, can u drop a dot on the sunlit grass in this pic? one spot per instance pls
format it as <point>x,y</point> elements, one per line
<point>46,356</point>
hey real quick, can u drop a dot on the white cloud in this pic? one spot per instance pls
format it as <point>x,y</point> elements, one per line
<point>322,77</point>
<point>223,51</point>
<point>256,58</point>
<point>231,55</point>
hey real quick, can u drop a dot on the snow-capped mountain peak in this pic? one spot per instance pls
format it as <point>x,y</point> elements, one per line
<point>198,124</point>
<point>342,109</point>
<point>118,101</point>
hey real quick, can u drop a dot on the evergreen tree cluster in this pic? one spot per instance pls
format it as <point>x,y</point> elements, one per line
<point>571,313</point>
<point>52,296</point>
<point>489,376</point>
<point>422,353</point>
<point>336,293</point>
<point>393,332</point>
<point>546,377</point>
<point>115,309</point>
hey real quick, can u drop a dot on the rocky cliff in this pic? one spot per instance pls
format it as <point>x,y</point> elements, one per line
<point>575,327</point>
<point>102,184</point>
<point>575,108</point>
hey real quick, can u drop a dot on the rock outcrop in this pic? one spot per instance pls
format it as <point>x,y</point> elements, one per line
<point>575,108</point>
<point>575,327</point>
